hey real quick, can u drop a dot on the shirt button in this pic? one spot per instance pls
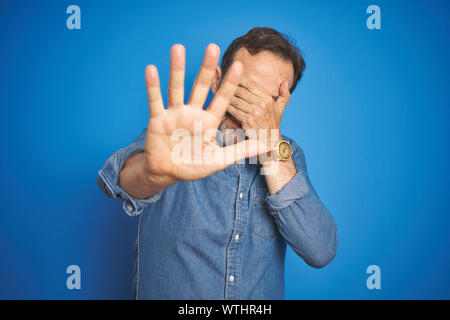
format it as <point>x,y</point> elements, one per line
<point>236,237</point>
<point>241,195</point>
<point>231,278</point>
<point>130,207</point>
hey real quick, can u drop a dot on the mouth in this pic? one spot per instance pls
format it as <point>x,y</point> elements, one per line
<point>233,122</point>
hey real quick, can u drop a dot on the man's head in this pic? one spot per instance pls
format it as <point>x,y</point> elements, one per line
<point>268,58</point>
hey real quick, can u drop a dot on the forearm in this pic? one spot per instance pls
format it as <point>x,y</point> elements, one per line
<point>137,182</point>
<point>302,219</point>
<point>309,229</point>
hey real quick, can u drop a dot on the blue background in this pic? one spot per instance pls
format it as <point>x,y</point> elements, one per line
<point>371,114</point>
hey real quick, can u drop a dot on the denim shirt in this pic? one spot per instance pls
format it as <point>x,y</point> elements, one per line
<point>224,236</point>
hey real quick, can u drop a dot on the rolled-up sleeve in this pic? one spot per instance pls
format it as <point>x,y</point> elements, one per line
<point>108,178</point>
<point>302,219</point>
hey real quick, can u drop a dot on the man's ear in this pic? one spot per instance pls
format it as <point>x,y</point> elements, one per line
<point>216,80</point>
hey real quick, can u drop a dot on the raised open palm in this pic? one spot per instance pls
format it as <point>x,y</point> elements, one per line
<point>188,124</point>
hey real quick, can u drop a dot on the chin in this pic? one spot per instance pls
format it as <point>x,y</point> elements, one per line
<point>230,132</point>
<point>231,122</point>
<point>225,123</point>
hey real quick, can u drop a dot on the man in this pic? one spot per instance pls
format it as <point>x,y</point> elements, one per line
<point>216,227</point>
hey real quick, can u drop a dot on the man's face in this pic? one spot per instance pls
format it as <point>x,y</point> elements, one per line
<point>264,68</point>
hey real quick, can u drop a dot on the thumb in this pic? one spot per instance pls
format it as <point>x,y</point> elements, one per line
<point>284,90</point>
<point>235,152</point>
<point>283,98</point>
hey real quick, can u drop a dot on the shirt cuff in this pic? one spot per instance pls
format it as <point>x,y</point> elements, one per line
<point>294,190</point>
<point>109,181</point>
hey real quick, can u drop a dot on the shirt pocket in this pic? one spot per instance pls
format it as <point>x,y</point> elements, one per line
<point>263,224</point>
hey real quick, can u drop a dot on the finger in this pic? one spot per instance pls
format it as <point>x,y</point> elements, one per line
<point>254,87</point>
<point>221,100</point>
<point>205,75</point>
<point>176,81</point>
<point>242,105</point>
<point>238,114</point>
<point>155,101</point>
<point>246,95</point>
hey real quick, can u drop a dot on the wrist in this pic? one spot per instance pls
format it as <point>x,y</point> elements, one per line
<point>150,178</point>
<point>136,179</point>
<point>273,140</point>
<point>271,155</point>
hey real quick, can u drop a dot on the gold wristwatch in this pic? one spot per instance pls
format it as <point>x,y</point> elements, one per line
<point>281,152</point>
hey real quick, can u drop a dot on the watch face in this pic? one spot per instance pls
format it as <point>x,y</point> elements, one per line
<point>285,150</point>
